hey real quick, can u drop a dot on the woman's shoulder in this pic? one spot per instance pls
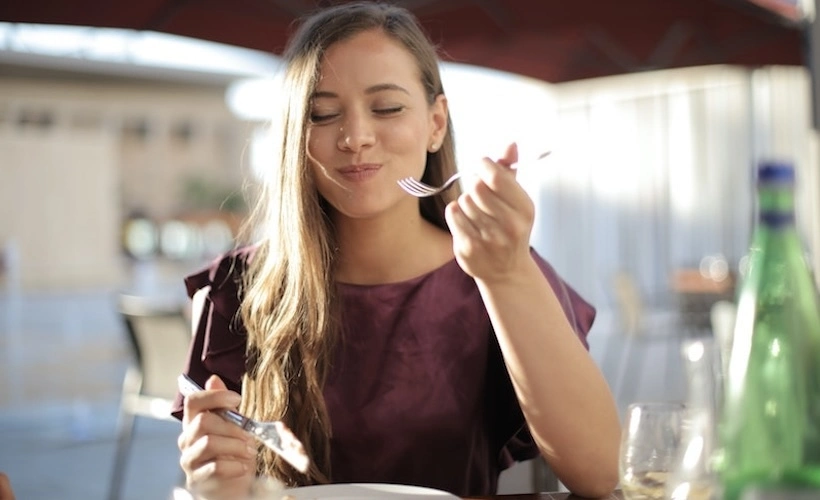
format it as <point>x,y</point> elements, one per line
<point>225,271</point>
<point>224,278</point>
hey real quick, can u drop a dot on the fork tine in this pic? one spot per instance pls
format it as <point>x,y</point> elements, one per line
<point>406,186</point>
<point>424,190</point>
<point>421,188</point>
<point>416,188</point>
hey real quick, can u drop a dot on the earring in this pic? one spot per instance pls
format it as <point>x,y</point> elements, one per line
<point>433,147</point>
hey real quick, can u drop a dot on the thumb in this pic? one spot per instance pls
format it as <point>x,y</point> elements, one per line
<point>510,155</point>
<point>214,383</point>
<point>6,492</point>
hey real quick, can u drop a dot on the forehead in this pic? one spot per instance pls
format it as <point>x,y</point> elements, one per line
<point>368,58</point>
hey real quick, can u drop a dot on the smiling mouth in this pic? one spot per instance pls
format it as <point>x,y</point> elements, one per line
<point>354,169</point>
<point>359,172</point>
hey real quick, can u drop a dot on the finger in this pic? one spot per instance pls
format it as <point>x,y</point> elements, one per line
<point>210,424</point>
<point>501,181</point>
<point>510,156</point>
<point>213,447</point>
<point>482,198</point>
<point>215,383</point>
<point>221,469</point>
<point>498,232</point>
<point>215,396</point>
<point>460,225</point>
<point>496,175</point>
<point>483,222</point>
<point>497,219</point>
<point>6,492</point>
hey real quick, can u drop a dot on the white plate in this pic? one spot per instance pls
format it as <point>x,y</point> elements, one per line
<point>358,491</point>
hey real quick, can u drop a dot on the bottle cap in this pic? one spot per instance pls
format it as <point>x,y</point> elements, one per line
<point>771,171</point>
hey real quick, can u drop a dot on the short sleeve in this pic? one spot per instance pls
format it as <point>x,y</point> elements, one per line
<point>579,312</point>
<point>518,443</point>
<point>219,344</point>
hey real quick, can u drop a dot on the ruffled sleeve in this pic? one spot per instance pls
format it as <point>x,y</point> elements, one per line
<point>579,312</point>
<point>219,344</point>
<point>518,443</point>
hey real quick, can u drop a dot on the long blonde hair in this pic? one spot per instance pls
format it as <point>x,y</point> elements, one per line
<point>290,306</point>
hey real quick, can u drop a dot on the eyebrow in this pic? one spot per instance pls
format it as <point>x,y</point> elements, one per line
<point>381,87</point>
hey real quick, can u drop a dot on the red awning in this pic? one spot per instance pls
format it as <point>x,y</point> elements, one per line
<point>547,39</point>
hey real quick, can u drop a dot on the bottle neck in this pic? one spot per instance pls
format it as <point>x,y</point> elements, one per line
<point>776,204</point>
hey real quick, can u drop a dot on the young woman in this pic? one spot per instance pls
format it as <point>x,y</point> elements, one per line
<point>403,340</point>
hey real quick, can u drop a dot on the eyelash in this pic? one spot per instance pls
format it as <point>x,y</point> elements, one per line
<point>322,118</point>
<point>389,111</point>
<point>318,119</point>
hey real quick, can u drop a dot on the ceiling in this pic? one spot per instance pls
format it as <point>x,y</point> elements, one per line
<point>551,40</point>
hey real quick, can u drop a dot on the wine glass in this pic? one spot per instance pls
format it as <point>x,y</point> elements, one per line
<point>650,441</point>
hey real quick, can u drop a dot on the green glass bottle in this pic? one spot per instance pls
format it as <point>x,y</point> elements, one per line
<point>770,420</point>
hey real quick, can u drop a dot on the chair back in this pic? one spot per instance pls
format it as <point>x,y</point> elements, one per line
<point>160,336</point>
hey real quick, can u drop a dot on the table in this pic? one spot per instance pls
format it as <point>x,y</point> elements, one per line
<point>697,293</point>
<point>617,495</point>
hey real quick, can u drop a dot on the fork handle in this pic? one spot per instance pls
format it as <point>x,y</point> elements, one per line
<point>188,386</point>
<point>237,418</point>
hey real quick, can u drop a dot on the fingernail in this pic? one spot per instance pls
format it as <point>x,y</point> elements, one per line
<point>234,399</point>
<point>251,449</point>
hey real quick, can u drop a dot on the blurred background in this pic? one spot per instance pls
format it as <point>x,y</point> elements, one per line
<point>130,132</point>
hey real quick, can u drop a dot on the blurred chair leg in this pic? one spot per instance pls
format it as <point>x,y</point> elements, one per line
<point>125,432</point>
<point>543,478</point>
<point>125,435</point>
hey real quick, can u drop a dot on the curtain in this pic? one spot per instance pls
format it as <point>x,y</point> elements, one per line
<point>651,172</point>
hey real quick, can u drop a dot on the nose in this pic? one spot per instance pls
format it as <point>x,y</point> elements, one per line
<point>356,132</point>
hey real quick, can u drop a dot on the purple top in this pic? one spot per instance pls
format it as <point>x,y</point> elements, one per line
<point>418,392</point>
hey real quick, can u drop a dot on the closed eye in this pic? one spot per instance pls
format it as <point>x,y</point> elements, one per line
<point>388,111</point>
<point>319,119</point>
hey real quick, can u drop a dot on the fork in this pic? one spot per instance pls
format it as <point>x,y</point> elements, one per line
<point>422,190</point>
<point>274,435</point>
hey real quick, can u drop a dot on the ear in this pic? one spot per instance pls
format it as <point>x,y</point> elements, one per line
<point>438,123</point>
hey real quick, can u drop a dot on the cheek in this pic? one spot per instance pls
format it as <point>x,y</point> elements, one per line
<point>408,141</point>
<point>408,136</point>
<point>320,179</point>
<point>317,156</point>
<point>318,143</point>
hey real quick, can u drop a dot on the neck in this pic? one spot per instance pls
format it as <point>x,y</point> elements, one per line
<point>389,249</point>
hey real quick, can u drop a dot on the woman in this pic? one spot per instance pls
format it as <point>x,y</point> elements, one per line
<point>403,340</point>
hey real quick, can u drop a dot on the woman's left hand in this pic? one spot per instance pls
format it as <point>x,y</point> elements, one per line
<point>492,220</point>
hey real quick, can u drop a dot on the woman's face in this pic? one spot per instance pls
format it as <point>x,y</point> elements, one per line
<point>370,124</point>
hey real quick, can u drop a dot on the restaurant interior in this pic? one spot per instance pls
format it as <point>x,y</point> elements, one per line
<point>127,138</point>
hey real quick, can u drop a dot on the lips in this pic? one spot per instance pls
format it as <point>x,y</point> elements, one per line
<point>359,172</point>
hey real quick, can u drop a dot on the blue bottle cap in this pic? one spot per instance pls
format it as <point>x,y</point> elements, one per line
<point>772,171</point>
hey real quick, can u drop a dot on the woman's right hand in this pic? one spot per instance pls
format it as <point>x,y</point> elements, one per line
<point>219,458</point>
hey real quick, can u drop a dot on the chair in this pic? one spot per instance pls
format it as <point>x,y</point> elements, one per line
<point>159,336</point>
<point>639,328</point>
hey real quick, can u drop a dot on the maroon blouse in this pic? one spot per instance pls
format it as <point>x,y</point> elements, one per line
<point>418,392</point>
